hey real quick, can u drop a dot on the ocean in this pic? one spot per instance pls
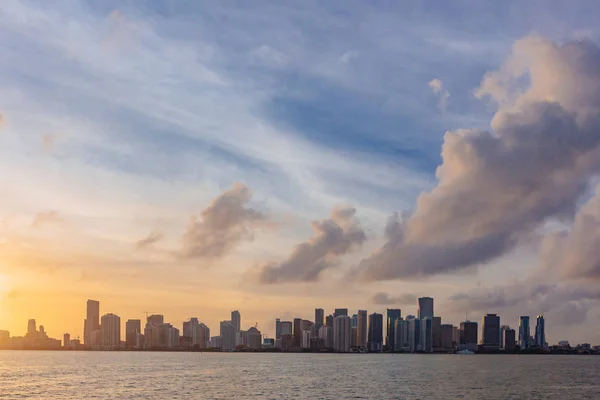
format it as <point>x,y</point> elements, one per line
<point>164,375</point>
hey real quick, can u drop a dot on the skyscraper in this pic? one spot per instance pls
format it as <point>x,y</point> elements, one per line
<point>393,314</point>
<point>509,339</point>
<point>329,321</point>
<point>447,337</point>
<point>319,317</point>
<point>426,335</point>
<point>524,333</point>
<point>202,335</point>
<point>540,331</point>
<point>361,329</point>
<point>286,327</point>
<point>31,327</point>
<point>190,330</point>
<point>468,336</point>
<point>375,332</point>
<point>340,311</point>
<point>228,335</point>
<point>132,328</point>
<point>401,335</point>
<point>436,333</point>
<point>297,332</point>
<point>341,334</point>
<point>425,307</point>
<point>236,320</point>
<point>110,331</point>
<point>414,334</point>
<point>277,329</point>
<point>490,332</point>
<point>91,322</point>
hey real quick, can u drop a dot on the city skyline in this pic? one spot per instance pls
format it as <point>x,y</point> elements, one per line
<point>203,158</point>
<point>337,331</point>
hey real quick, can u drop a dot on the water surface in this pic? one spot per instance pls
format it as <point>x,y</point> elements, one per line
<point>155,375</point>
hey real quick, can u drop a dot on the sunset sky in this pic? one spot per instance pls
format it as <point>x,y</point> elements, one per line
<point>190,158</point>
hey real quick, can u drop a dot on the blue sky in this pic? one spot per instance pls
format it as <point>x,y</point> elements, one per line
<point>153,108</point>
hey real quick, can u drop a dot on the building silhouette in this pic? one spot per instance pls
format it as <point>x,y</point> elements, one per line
<point>540,331</point>
<point>468,336</point>
<point>491,334</point>
<point>319,317</point>
<point>110,331</point>
<point>375,332</point>
<point>340,311</point>
<point>524,332</point>
<point>91,322</point>
<point>132,328</point>
<point>425,307</point>
<point>341,334</point>
<point>392,315</point>
<point>361,329</point>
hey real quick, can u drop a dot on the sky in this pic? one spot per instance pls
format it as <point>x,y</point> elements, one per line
<point>191,158</point>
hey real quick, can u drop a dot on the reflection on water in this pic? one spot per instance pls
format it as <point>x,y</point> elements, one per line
<point>130,375</point>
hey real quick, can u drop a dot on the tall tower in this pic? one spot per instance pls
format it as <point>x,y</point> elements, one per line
<point>319,317</point>
<point>540,331</point>
<point>110,332</point>
<point>375,332</point>
<point>236,320</point>
<point>524,332</point>
<point>425,307</point>
<point>361,329</point>
<point>341,334</point>
<point>31,327</point>
<point>393,314</point>
<point>92,321</point>
<point>277,329</point>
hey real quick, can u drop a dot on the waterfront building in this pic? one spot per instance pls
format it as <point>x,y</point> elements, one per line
<point>468,336</point>
<point>341,334</point>
<point>524,333</point>
<point>297,332</point>
<point>392,315</point>
<point>425,307</point>
<point>286,328</point>
<point>326,334</point>
<point>277,329</point>
<point>91,322</point>
<point>540,332</point>
<point>446,337</point>
<point>361,329</point>
<point>228,335</point>
<point>490,332</point>
<point>401,335</point>
<point>508,340</point>
<point>414,334</point>
<point>66,341</point>
<point>254,339</point>
<point>375,332</point>
<point>319,317</point>
<point>340,311</point>
<point>132,328</point>
<point>426,341</point>
<point>436,333</point>
<point>110,331</point>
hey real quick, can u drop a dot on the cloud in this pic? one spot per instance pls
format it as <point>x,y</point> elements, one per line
<point>495,188</point>
<point>438,88</point>
<point>573,253</point>
<point>334,237</point>
<point>149,240</point>
<point>44,218</point>
<point>222,226</point>
<point>48,142</point>
<point>384,298</point>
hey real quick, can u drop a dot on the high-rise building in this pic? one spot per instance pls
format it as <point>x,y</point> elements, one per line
<point>361,329</point>
<point>91,322</point>
<point>508,339</point>
<point>66,340</point>
<point>319,317</point>
<point>305,339</point>
<point>329,320</point>
<point>540,331</point>
<point>375,332</point>
<point>426,335</point>
<point>236,320</point>
<point>425,307</point>
<point>524,333</point>
<point>297,332</point>
<point>392,314</point>
<point>326,334</point>
<point>228,335</point>
<point>468,335</point>
<point>132,328</point>
<point>354,321</point>
<point>151,331</point>
<point>446,337</point>
<point>286,327</point>
<point>110,330</point>
<point>202,336</point>
<point>254,339</point>
<point>490,332</point>
<point>340,311</point>
<point>155,319</point>
<point>31,327</point>
<point>436,333</point>
<point>168,336</point>
<point>341,334</point>
<point>414,335</point>
<point>277,329</point>
<point>401,335</point>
